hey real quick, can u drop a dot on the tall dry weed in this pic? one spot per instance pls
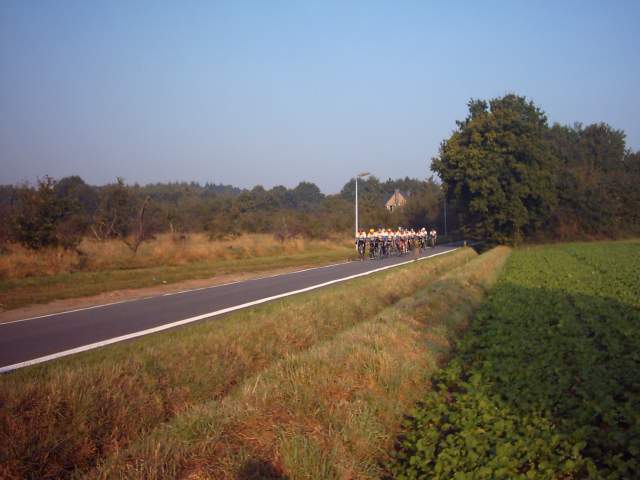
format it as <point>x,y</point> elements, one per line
<point>165,250</point>
<point>20,262</point>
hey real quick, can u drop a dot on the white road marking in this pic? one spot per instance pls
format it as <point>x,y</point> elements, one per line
<point>199,288</point>
<point>167,294</point>
<point>69,311</point>
<point>185,321</point>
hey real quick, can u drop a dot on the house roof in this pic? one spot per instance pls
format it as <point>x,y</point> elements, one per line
<point>397,199</point>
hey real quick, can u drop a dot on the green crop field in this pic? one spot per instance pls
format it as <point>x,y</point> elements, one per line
<point>546,383</point>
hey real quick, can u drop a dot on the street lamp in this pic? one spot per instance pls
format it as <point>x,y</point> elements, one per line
<point>363,174</point>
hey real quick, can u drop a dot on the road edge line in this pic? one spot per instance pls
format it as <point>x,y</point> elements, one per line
<point>168,294</point>
<point>167,326</point>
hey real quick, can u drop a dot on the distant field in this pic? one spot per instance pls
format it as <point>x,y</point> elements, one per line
<point>28,277</point>
<point>311,385</point>
<point>546,384</point>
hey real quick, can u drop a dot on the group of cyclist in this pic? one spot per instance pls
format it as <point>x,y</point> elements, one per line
<point>384,242</point>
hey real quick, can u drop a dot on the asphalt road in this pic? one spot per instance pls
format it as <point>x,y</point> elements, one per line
<point>39,339</point>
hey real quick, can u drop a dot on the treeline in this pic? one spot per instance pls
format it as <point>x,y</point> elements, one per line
<point>507,177</point>
<point>513,178</point>
<point>62,212</point>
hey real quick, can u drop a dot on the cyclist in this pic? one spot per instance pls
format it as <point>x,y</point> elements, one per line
<point>423,238</point>
<point>401,241</point>
<point>433,235</point>
<point>382,239</point>
<point>372,240</point>
<point>396,241</point>
<point>361,243</point>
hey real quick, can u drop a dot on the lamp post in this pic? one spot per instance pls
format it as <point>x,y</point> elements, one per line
<point>363,174</point>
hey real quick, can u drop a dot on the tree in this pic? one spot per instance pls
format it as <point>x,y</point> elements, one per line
<point>80,203</point>
<point>307,196</point>
<point>82,197</point>
<point>424,206</point>
<point>123,215</point>
<point>604,147</point>
<point>115,211</point>
<point>498,169</point>
<point>597,189</point>
<point>39,214</point>
<point>8,201</point>
<point>369,190</point>
<point>282,197</point>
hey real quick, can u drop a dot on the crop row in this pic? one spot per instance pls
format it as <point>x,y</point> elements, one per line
<point>546,384</point>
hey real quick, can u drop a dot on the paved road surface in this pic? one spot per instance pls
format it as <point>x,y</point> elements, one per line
<point>35,340</point>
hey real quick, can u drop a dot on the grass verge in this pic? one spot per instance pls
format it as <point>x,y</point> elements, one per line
<point>330,411</point>
<point>59,419</point>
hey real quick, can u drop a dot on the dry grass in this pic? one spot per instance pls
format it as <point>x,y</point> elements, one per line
<point>61,418</point>
<point>28,277</point>
<point>331,411</point>
<point>19,262</point>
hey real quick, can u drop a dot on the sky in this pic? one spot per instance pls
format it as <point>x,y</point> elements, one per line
<point>275,92</point>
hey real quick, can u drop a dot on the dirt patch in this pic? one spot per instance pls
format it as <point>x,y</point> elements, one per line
<point>58,306</point>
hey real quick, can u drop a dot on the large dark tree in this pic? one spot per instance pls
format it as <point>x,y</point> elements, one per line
<point>499,170</point>
<point>597,186</point>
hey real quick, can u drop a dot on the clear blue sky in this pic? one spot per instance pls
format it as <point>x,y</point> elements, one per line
<point>271,92</point>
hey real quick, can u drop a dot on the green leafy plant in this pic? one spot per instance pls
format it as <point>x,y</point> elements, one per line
<point>546,382</point>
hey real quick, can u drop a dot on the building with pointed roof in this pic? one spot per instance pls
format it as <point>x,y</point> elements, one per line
<point>397,200</point>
